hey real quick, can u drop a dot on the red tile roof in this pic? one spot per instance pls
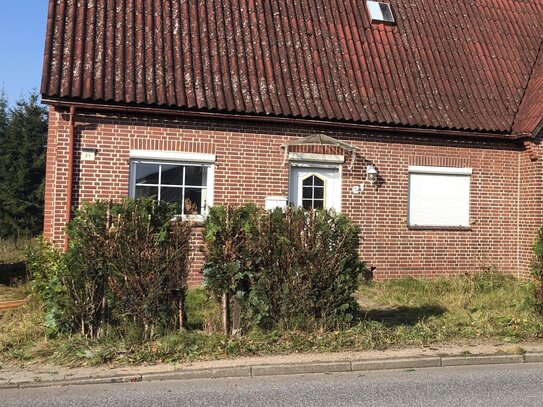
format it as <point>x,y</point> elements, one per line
<point>530,113</point>
<point>462,64</point>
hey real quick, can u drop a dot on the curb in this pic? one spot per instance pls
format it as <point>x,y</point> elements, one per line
<point>480,360</point>
<point>301,368</point>
<point>342,366</point>
<point>404,363</point>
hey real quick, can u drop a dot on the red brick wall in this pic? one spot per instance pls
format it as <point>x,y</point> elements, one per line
<point>530,201</point>
<point>505,185</point>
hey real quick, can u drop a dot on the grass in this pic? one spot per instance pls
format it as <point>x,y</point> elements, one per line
<point>17,292</point>
<point>399,313</point>
<point>14,252</point>
<point>12,260</point>
<point>489,305</point>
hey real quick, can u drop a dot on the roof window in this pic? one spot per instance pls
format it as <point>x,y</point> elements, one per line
<point>380,12</point>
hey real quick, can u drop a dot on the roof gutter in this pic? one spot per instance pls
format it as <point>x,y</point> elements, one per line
<point>286,120</point>
<point>69,187</point>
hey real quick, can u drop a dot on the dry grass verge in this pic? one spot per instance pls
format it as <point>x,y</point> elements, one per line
<point>12,252</point>
<point>399,313</point>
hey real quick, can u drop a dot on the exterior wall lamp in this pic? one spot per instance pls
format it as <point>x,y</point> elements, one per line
<point>372,174</point>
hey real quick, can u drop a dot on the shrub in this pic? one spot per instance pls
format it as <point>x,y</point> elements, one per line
<point>46,271</point>
<point>229,257</point>
<point>294,267</point>
<point>86,267</point>
<point>148,255</point>
<point>227,271</point>
<point>125,267</point>
<point>306,268</point>
<point>537,268</point>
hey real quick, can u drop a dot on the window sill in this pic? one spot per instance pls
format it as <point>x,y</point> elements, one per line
<point>197,220</point>
<point>445,228</point>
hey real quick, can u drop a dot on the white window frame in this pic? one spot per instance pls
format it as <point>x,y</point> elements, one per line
<point>175,158</point>
<point>447,171</point>
<point>324,190</point>
<point>316,161</point>
<point>376,11</point>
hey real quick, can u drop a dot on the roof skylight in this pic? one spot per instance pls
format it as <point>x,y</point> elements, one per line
<point>380,12</point>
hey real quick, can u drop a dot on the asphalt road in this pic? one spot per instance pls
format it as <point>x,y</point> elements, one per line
<point>498,385</point>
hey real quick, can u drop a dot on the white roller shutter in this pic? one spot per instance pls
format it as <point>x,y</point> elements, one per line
<point>439,196</point>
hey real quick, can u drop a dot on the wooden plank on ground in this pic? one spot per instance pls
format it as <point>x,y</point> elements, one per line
<point>6,305</point>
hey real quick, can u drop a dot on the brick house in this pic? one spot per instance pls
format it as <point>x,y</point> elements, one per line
<point>419,119</point>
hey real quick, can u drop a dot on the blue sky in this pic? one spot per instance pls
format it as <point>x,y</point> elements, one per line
<point>22,39</point>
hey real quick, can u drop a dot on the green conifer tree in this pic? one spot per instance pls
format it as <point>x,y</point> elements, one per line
<point>23,137</point>
<point>3,112</point>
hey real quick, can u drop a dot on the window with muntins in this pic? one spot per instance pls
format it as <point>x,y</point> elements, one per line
<point>313,192</point>
<point>184,184</point>
<point>439,197</point>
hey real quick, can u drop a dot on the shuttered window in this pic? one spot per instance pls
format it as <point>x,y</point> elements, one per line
<point>439,196</point>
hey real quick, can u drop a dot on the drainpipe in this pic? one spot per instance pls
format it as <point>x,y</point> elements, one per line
<point>69,188</point>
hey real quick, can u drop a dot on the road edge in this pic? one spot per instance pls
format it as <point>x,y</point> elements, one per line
<point>339,366</point>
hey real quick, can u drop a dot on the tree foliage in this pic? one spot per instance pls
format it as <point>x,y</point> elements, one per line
<point>295,268</point>
<point>306,268</point>
<point>23,138</point>
<point>125,268</point>
<point>229,259</point>
<point>537,268</point>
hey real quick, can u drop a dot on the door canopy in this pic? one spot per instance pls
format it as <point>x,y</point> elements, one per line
<point>321,140</point>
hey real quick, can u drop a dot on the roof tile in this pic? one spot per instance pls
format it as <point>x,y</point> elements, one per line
<point>469,64</point>
<point>530,113</point>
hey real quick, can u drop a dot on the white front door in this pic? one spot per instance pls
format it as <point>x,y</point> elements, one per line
<point>315,187</point>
